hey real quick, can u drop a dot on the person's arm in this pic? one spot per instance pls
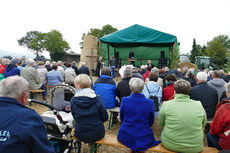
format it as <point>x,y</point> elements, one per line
<point>36,77</point>
<point>218,123</point>
<point>60,77</point>
<point>102,110</point>
<point>152,115</point>
<point>161,117</point>
<point>34,133</point>
<point>122,110</point>
<point>159,95</point>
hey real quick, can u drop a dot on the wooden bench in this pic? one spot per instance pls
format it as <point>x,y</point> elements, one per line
<point>33,94</point>
<point>111,140</point>
<point>48,87</point>
<point>111,111</point>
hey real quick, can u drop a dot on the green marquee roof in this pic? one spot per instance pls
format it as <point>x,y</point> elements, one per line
<point>138,34</point>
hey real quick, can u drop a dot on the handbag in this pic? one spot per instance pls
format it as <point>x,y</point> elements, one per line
<point>155,99</point>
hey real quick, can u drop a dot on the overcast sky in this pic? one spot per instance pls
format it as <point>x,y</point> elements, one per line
<point>186,19</point>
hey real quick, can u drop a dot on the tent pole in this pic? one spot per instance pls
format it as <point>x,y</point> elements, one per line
<point>108,52</point>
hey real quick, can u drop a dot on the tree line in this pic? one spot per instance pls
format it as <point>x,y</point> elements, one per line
<point>218,49</point>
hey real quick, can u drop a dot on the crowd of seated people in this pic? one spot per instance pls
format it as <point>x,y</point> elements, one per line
<point>189,98</point>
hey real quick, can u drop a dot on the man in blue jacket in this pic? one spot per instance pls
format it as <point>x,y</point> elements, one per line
<point>21,129</point>
<point>105,86</point>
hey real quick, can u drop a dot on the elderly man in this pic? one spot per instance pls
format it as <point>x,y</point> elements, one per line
<point>217,83</point>
<point>83,69</point>
<point>105,86</point>
<point>205,94</point>
<point>21,129</point>
<point>32,76</point>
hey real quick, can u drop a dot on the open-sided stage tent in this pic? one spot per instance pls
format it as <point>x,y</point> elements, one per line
<point>146,43</point>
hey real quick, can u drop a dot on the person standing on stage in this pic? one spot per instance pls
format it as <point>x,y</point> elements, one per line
<point>131,57</point>
<point>112,65</point>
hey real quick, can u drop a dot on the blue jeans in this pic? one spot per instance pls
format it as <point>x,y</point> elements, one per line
<point>112,69</point>
<point>213,141</point>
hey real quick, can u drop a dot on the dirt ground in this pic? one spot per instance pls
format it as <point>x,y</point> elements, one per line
<point>108,149</point>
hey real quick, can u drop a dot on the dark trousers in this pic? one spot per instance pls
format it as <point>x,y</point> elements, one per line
<point>44,93</point>
<point>213,141</point>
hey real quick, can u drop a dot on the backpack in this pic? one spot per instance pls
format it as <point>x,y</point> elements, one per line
<point>155,99</point>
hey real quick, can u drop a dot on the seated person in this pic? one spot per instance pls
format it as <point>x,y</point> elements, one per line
<point>152,88</point>
<point>168,92</point>
<point>22,129</point>
<point>54,77</point>
<point>183,121</point>
<point>105,86</point>
<point>123,89</point>
<point>137,117</point>
<point>219,135</point>
<point>88,110</point>
<point>33,78</point>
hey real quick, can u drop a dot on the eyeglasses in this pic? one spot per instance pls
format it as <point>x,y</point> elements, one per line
<point>25,92</point>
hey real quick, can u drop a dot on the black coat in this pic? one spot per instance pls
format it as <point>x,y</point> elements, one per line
<point>75,69</point>
<point>207,96</point>
<point>123,89</point>
<point>84,70</point>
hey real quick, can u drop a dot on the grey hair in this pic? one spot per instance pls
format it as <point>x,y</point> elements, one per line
<point>227,87</point>
<point>202,76</point>
<point>155,70</point>
<point>30,61</point>
<point>13,87</point>
<point>182,87</point>
<point>59,63</point>
<point>82,63</point>
<point>128,72</point>
<point>136,85</point>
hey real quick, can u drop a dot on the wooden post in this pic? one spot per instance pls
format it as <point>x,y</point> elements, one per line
<point>108,52</point>
<point>99,50</point>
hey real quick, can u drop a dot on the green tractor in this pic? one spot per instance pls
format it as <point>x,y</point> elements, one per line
<point>205,62</point>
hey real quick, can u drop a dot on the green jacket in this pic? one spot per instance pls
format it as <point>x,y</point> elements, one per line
<point>32,76</point>
<point>183,120</point>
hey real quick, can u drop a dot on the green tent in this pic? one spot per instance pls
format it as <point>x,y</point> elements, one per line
<point>146,43</point>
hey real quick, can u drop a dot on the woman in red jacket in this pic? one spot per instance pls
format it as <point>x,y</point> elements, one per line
<point>168,92</point>
<point>219,135</point>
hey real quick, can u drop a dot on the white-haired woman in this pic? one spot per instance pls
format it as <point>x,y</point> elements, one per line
<point>190,77</point>
<point>88,111</point>
<point>137,116</point>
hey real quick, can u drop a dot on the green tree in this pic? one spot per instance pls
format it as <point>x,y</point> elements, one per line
<point>215,49</point>
<point>55,44</point>
<point>106,29</point>
<point>33,41</point>
<point>224,40</point>
<point>196,51</point>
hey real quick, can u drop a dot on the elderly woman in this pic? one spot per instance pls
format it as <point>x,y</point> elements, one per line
<point>152,88</point>
<point>137,117</point>
<point>190,77</point>
<point>219,136</point>
<point>168,92</point>
<point>70,75</point>
<point>88,111</point>
<point>183,121</point>
<point>54,77</point>
<point>42,71</point>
